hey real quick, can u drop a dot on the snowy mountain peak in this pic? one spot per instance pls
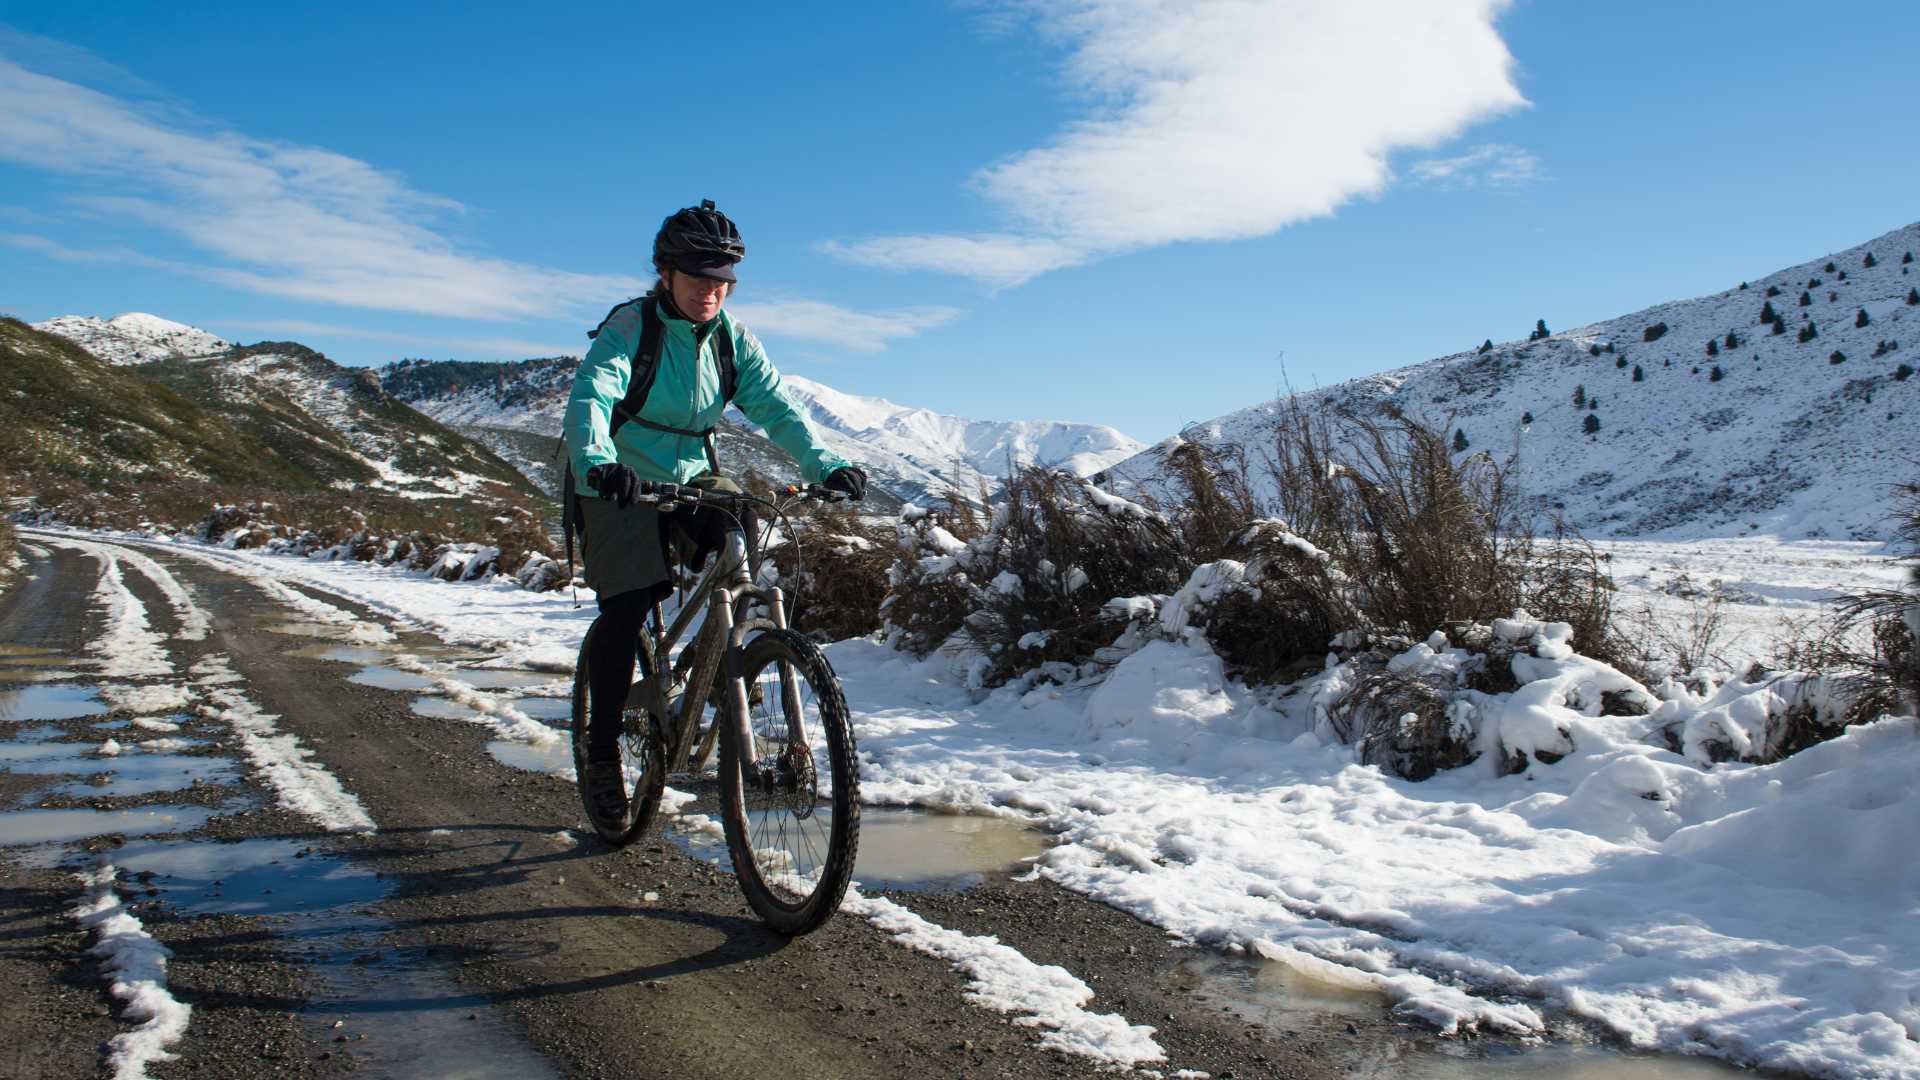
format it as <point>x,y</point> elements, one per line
<point>135,337</point>
<point>975,452</point>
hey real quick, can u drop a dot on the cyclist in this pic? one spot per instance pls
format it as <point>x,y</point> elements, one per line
<point>631,421</point>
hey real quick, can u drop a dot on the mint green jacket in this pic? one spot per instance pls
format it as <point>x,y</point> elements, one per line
<point>686,395</point>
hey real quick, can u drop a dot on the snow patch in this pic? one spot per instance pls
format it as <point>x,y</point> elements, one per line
<point>137,969</point>
<point>1004,980</point>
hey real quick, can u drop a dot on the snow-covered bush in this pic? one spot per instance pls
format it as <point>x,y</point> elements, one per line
<point>1512,691</point>
<point>929,592</point>
<point>1033,588</point>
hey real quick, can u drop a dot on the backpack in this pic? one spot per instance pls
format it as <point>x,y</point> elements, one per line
<point>645,367</point>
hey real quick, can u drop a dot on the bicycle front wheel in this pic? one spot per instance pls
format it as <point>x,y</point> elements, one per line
<point>643,767</point>
<point>791,801</point>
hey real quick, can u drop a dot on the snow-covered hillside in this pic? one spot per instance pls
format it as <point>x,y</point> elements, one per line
<point>911,452</point>
<point>135,337</point>
<point>1690,418</point>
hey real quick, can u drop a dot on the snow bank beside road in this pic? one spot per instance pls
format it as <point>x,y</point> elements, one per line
<point>1758,913</point>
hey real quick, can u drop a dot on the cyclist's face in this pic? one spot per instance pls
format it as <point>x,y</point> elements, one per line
<point>697,298</point>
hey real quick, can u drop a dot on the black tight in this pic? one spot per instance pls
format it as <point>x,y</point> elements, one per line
<point>610,660</point>
<point>610,665</point>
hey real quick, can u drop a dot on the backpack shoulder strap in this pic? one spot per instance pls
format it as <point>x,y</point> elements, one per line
<point>645,366</point>
<point>729,374</point>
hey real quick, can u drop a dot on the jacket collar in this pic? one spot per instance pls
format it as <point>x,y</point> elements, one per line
<point>670,315</point>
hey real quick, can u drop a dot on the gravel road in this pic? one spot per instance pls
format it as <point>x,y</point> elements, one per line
<point>494,937</point>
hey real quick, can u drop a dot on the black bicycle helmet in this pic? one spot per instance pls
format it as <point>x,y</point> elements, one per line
<point>699,240</point>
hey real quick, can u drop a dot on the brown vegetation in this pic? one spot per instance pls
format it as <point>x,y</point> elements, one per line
<point>1869,649</point>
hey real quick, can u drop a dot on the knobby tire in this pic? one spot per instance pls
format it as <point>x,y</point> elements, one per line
<point>642,755</point>
<point>793,844</point>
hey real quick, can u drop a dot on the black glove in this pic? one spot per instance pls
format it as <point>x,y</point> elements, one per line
<point>615,482</point>
<point>847,478</point>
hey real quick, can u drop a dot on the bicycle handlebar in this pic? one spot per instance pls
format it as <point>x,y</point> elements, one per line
<point>667,495</point>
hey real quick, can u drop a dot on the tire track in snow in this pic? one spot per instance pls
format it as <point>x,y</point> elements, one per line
<point>127,647</point>
<point>278,760</point>
<point>301,784</point>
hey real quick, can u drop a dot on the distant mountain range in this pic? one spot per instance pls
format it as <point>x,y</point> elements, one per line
<point>1689,418</point>
<point>913,453</point>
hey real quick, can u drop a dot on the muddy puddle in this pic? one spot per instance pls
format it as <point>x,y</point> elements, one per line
<point>21,658</point>
<point>386,678</point>
<point>1281,999</point>
<point>246,877</point>
<point>45,702</point>
<point>554,758</point>
<point>392,1011</point>
<point>20,828</point>
<point>146,773</point>
<point>914,850</point>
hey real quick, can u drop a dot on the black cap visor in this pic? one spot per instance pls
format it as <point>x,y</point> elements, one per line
<point>711,267</point>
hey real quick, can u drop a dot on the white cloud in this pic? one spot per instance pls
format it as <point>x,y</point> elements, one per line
<point>1494,164</point>
<point>293,221</point>
<point>860,331</point>
<point>486,346</point>
<point>1221,120</point>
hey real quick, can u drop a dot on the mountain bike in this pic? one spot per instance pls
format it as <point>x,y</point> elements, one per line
<point>789,778</point>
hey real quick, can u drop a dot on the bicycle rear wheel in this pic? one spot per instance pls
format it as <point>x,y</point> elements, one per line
<point>643,766</point>
<point>791,803</point>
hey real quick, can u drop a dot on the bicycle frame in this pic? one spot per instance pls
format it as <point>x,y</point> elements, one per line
<point>729,591</point>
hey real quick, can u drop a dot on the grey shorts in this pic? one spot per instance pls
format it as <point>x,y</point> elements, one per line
<point>621,547</point>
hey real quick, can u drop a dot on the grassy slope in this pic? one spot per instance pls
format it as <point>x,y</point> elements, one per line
<point>276,412</point>
<point>67,416</point>
<point>118,446</point>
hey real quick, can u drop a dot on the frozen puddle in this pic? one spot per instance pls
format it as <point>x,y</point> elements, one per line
<point>49,702</point>
<point>1281,998</point>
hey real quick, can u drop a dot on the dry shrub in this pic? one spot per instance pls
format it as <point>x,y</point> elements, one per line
<point>7,541</point>
<point>1432,541</point>
<point>834,570</point>
<point>1869,648</point>
<point>1218,500</point>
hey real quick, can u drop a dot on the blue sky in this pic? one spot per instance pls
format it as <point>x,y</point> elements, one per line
<point>1114,211</point>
